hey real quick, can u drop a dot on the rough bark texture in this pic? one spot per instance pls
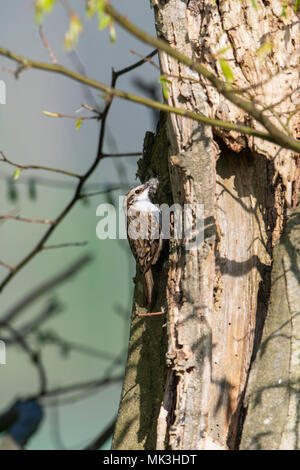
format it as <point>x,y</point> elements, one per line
<point>145,371</point>
<point>217,295</point>
<point>273,395</point>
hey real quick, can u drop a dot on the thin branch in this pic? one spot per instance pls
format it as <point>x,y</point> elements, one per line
<point>274,135</point>
<point>55,340</point>
<point>53,183</point>
<point>45,287</point>
<point>52,308</point>
<point>90,108</point>
<point>69,116</point>
<point>7,266</point>
<point>66,245</point>
<point>99,155</point>
<point>33,355</point>
<point>118,155</point>
<point>97,193</point>
<point>36,167</point>
<point>92,384</point>
<point>147,58</point>
<point>86,388</point>
<point>13,212</point>
<point>47,46</point>
<point>24,219</point>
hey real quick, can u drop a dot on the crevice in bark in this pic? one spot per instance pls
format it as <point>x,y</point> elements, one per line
<point>253,191</point>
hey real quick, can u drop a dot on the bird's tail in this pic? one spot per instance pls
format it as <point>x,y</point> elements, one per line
<point>148,285</point>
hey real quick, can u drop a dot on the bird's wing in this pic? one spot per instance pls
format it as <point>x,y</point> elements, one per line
<point>146,250</point>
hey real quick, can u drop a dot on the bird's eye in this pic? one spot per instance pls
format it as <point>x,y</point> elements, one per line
<point>137,191</point>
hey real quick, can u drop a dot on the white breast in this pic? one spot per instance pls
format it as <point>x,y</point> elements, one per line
<point>146,206</point>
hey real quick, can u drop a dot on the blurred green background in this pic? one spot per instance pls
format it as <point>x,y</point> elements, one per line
<point>96,302</point>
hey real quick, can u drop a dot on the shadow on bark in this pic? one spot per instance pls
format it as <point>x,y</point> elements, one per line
<point>273,395</point>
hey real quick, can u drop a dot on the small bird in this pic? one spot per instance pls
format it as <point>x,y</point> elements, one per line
<point>144,230</point>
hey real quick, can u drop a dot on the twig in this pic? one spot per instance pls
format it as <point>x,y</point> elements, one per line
<point>86,388</point>
<point>7,266</point>
<point>46,287</point>
<point>65,245</point>
<point>273,135</point>
<point>78,191</point>
<point>13,212</point>
<point>96,193</point>
<point>37,167</point>
<point>118,155</point>
<point>71,346</point>
<point>33,355</point>
<point>24,219</point>
<point>147,58</point>
<point>47,46</point>
<point>69,116</point>
<point>53,183</point>
<point>52,308</point>
<point>83,386</point>
<point>90,108</point>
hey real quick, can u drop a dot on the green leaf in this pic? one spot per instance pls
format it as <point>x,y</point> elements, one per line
<point>227,72</point>
<point>94,6</point>
<point>264,50</point>
<point>78,124</point>
<point>104,22</point>
<point>165,91</point>
<point>72,35</point>
<point>90,8</point>
<point>98,6</point>
<point>41,8</point>
<point>164,83</point>
<point>17,174</point>
<point>297,5</point>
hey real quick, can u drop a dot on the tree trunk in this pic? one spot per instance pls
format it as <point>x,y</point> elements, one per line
<point>189,394</point>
